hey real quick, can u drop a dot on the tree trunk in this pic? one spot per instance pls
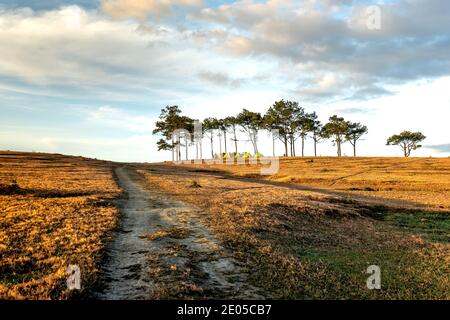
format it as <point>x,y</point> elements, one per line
<point>354,148</point>
<point>196,150</point>
<point>338,144</point>
<point>212,146</point>
<point>235,140</point>
<point>173,150</point>
<point>255,145</point>
<point>225,140</point>
<point>179,148</point>
<point>303,146</point>
<point>293,146</point>
<point>187,147</point>
<point>254,139</point>
<point>285,146</point>
<point>273,145</point>
<point>315,147</point>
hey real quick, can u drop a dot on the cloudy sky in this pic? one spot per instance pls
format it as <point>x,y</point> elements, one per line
<point>89,77</point>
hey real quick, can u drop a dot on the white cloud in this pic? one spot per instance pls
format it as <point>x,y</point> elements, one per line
<point>320,37</point>
<point>143,8</point>
<point>80,54</point>
<point>214,62</point>
<point>82,49</point>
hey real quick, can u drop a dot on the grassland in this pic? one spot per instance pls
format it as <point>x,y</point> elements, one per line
<point>312,230</point>
<point>416,181</point>
<point>54,211</point>
<point>308,232</point>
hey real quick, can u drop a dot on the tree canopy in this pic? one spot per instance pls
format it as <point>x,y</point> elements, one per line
<point>171,120</point>
<point>251,123</point>
<point>354,132</point>
<point>281,116</point>
<point>407,140</point>
<point>286,121</point>
<point>336,129</point>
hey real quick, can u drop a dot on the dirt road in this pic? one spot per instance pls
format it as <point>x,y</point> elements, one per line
<point>163,251</point>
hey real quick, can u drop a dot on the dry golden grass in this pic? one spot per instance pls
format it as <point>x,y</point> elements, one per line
<point>420,181</point>
<point>54,211</point>
<point>308,232</point>
<point>309,243</point>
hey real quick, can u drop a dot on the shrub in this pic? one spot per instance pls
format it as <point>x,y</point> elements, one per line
<point>195,184</point>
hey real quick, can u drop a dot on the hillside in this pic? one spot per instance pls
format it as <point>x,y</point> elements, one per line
<point>308,232</point>
<point>55,210</point>
<point>419,182</point>
<point>312,230</point>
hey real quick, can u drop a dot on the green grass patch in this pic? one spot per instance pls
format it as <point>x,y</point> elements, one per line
<point>434,227</point>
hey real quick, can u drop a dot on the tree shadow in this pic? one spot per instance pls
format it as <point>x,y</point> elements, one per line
<point>16,190</point>
<point>371,202</point>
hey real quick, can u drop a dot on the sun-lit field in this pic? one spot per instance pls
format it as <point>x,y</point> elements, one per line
<point>308,232</point>
<point>418,181</point>
<point>54,211</point>
<point>308,242</point>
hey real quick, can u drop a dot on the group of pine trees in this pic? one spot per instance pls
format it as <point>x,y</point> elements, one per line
<point>285,120</point>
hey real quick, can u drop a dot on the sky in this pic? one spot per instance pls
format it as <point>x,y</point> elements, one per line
<point>90,77</point>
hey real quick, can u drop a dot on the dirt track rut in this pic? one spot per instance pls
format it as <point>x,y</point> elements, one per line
<point>162,251</point>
